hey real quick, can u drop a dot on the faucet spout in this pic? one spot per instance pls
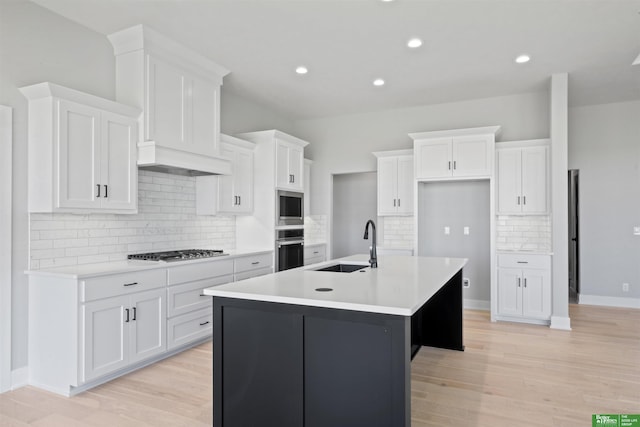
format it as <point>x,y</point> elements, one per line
<point>373,255</point>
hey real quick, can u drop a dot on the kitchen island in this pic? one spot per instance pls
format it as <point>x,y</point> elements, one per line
<point>321,348</point>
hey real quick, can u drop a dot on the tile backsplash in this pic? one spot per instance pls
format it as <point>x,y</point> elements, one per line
<point>315,229</point>
<point>166,220</point>
<point>397,231</point>
<point>531,233</point>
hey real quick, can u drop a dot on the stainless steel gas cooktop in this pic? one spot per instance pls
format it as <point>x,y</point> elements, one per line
<point>182,255</point>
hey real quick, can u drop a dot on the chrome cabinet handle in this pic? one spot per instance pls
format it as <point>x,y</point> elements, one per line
<point>449,164</point>
<point>454,164</point>
<point>130,284</point>
<point>524,200</point>
<point>204,323</point>
<point>518,200</point>
<point>394,203</point>
<point>134,314</point>
<point>525,282</point>
<point>398,202</point>
<point>98,185</point>
<point>519,282</point>
<point>255,263</point>
<point>106,191</point>
<point>127,319</point>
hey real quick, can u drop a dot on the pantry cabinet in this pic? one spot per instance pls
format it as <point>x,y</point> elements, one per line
<point>524,288</point>
<point>395,182</point>
<point>82,152</point>
<point>453,154</point>
<point>229,194</point>
<point>522,170</point>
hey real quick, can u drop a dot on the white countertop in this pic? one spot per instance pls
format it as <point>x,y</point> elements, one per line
<point>84,271</point>
<point>400,285</point>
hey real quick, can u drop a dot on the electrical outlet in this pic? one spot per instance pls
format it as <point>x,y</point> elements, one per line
<point>466,282</point>
<point>636,231</point>
<point>625,287</point>
<point>447,230</point>
<point>466,231</point>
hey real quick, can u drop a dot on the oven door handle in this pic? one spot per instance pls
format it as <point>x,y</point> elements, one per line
<point>289,242</point>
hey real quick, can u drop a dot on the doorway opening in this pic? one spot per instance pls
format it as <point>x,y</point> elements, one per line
<point>574,236</point>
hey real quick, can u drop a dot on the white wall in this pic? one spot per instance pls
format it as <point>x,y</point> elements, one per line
<point>238,115</point>
<point>604,143</point>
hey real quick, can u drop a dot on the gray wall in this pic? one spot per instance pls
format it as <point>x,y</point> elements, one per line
<point>354,202</point>
<point>37,45</point>
<point>604,144</point>
<point>458,204</point>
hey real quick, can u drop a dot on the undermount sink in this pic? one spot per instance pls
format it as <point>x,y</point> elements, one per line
<point>342,268</point>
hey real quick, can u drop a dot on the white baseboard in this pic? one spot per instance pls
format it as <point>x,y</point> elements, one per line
<point>609,301</point>
<point>476,304</point>
<point>19,377</point>
<point>560,322</point>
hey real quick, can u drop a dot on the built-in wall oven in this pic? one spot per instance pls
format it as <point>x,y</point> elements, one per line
<point>289,208</point>
<point>289,248</point>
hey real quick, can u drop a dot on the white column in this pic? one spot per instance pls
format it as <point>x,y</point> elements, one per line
<point>559,201</point>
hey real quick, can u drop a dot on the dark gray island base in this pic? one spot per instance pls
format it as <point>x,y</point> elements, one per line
<point>279,364</point>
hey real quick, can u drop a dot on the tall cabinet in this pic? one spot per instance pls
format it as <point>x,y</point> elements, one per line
<point>82,152</point>
<point>279,166</point>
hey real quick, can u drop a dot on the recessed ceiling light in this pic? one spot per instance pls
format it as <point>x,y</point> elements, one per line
<point>378,82</point>
<point>414,43</point>
<point>302,70</point>
<point>522,59</point>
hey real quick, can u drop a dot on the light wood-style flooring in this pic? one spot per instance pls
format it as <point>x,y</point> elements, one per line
<point>509,375</point>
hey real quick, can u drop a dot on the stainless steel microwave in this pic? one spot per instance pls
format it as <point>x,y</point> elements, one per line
<point>289,208</point>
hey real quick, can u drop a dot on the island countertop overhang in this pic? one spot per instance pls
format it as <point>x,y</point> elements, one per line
<point>399,286</point>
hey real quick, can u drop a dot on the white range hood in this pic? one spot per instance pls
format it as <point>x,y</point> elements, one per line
<point>178,91</point>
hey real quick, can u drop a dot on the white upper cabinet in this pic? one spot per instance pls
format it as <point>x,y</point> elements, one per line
<point>289,166</point>
<point>179,93</point>
<point>461,153</point>
<point>395,182</point>
<point>229,194</point>
<point>82,152</point>
<point>522,170</point>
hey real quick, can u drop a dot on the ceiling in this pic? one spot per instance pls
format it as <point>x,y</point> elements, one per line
<point>468,51</point>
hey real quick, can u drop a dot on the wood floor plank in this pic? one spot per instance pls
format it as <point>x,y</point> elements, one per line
<point>509,375</point>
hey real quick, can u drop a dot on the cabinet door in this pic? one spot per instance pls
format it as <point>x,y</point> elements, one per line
<point>166,115</point>
<point>227,201</point>
<point>283,176</point>
<point>119,177</point>
<point>147,325</point>
<point>534,180</point>
<point>509,292</point>
<point>509,181</point>
<point>106,343</point>
<point>387,185</point>
<point>203,124</point>
<point>78,156</point>
<point>243,180</point>
<point>472,156</point>
<point>296,167</point>
<point>405,185</point>
<point>433,158</point>
<point>536,286</point>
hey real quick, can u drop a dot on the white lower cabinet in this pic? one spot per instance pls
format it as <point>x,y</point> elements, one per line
<point>254,265</point>
<point>189,311</point>
<point>314,254</point>
<point>122,330</point>
<point>524,288</point>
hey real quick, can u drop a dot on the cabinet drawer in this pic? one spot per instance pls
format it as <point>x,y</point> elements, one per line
<point>524,261</point>
<point>199,271</point>
<point>314,252</point>
<point>189,327</point>
<point>122,284</point>
<point>313,260</point>
<point>253,262</point>
<point>253,273</point>
<point>182,299</point>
